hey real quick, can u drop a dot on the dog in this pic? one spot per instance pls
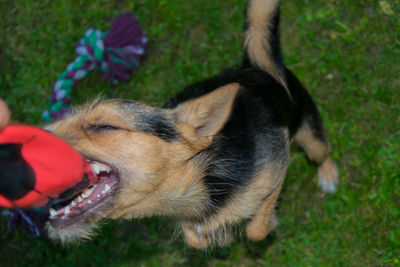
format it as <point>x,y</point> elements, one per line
<point>214,157</point>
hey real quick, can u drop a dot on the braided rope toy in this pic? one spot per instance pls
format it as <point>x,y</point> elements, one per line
<point>115,52</point>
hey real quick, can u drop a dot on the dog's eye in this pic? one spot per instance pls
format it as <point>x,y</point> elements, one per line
<point>101,128</point>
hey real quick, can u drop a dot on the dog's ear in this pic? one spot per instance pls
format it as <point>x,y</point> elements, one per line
<point>199,120</point>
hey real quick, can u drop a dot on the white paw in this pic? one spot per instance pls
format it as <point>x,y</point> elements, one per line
<point>327,187</point>
<point>328,176</point>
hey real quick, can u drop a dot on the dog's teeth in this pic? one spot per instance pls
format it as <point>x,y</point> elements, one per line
<point>98,167</point>
<point>107,188</point>
<point>80,199</point>
<point>105,168</point>
<point>53,212</point>
<point>72,204</point>
<point>98,196</point>
<point>67,210</point>
<point>87,192</point>
<point>103,192</point>
<point>89,202</point>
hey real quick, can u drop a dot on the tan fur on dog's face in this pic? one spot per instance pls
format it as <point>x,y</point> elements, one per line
<point>156,174</point>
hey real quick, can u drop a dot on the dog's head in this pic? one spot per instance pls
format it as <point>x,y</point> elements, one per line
<point>146,159</point>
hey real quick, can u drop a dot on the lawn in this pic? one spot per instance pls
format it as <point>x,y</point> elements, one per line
<point>347,53</point>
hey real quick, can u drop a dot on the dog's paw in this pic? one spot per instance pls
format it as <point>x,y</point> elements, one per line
<point>257,231</point>
<point>328,176</point>
<point>194,236</point>
<point>327,187</point>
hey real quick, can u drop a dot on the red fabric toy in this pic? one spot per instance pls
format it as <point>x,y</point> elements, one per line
<point>36,167</point>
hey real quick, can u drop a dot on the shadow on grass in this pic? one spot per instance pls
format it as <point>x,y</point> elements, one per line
<point>256,250</point>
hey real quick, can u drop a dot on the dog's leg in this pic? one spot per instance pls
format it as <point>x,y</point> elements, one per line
<point>265,219</point>
<point>312,138</point>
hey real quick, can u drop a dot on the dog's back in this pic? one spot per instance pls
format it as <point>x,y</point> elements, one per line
<point>251,152</point>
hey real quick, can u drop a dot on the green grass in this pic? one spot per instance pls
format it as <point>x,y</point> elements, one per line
<point>347,53</point>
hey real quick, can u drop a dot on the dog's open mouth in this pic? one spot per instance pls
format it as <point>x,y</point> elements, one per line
<point>86,195</point>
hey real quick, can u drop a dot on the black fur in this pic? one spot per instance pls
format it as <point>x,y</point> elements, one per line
<point>260,111</point>
<point>159,126</point>
<point>309,112</point>
<point>152,121</point>
<point>261,89</point>
<point>262,104</point>
<point>261,108</point>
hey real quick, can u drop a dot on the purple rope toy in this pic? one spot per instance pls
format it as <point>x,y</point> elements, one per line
<point>117,53</point>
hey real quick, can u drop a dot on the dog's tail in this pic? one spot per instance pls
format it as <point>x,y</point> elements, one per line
<point>262,45</point>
